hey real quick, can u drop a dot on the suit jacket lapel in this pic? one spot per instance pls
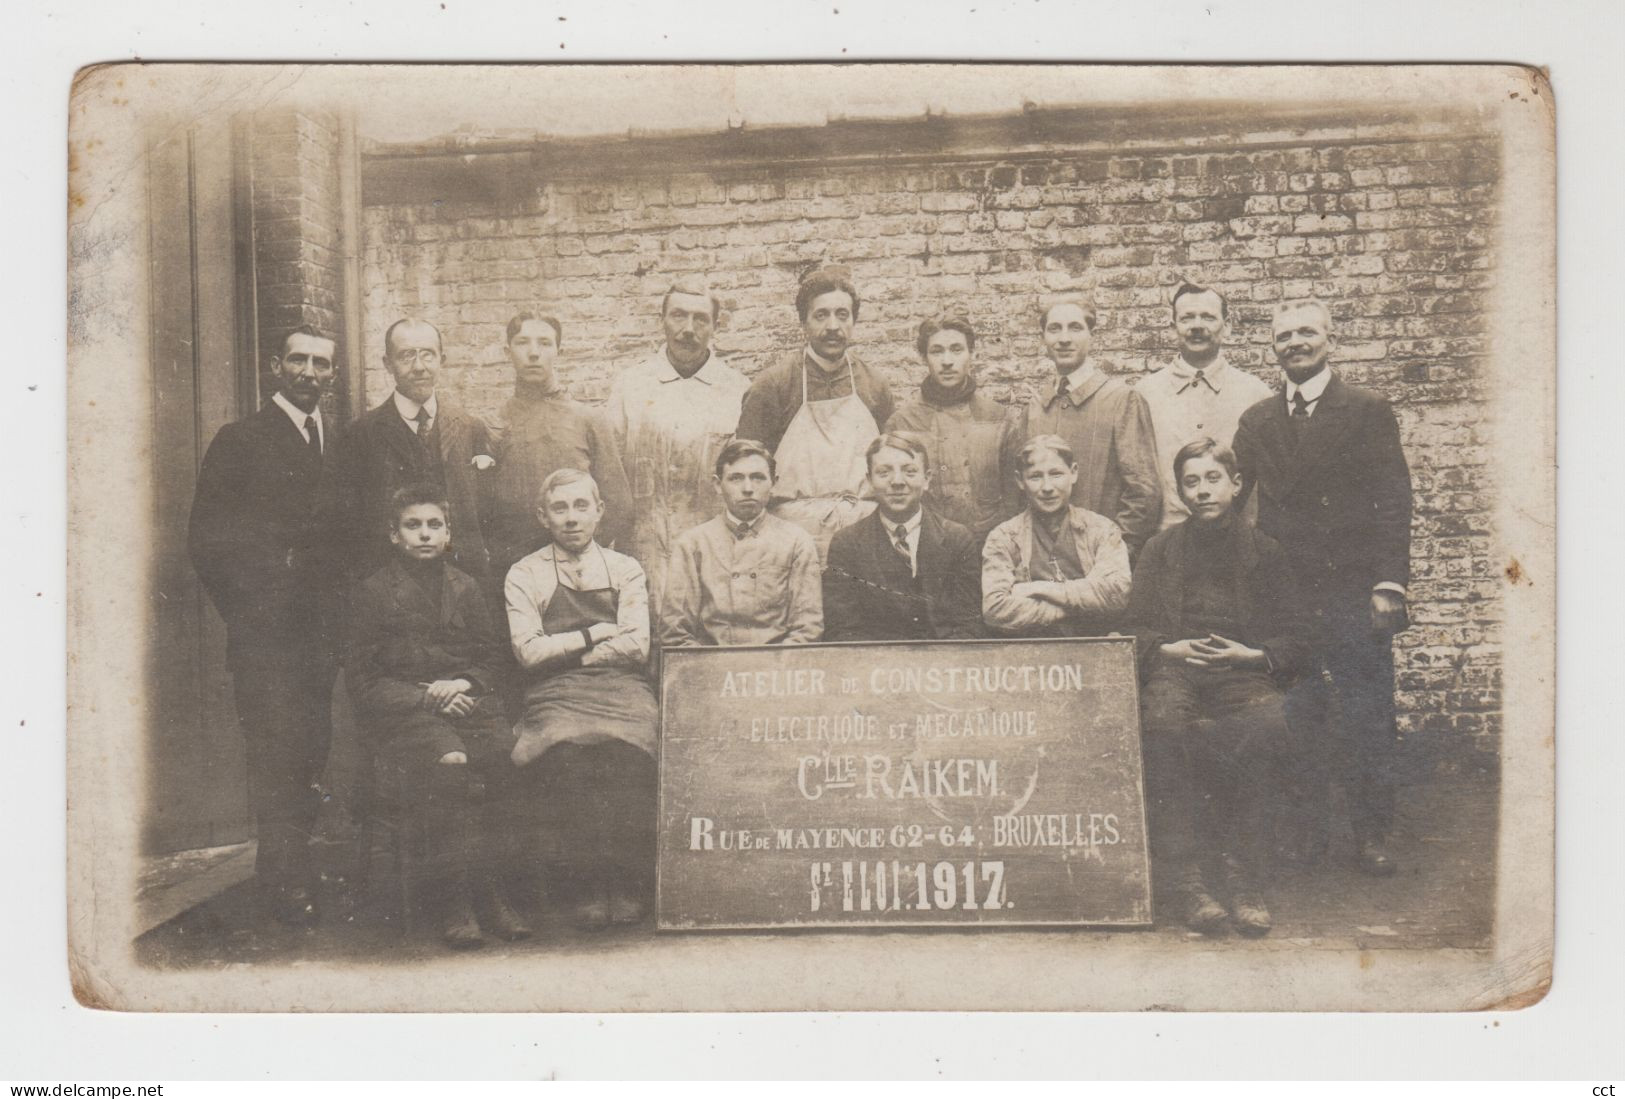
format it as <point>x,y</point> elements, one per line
<point>288,438</point>
<point>1322,434</point>
<point>447,426</point>
<point>888,562</point>
<point>450,615</point>
<point>927,556</point>
<point>395,434</point>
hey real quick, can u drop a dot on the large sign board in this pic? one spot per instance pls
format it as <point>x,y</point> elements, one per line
<point>943,783</point>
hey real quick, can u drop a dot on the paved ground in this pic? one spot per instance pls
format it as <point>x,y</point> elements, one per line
<point>1441,898</point>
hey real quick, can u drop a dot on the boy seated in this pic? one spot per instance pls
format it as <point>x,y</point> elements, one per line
<point>1055,570</point>
<point>746,577</point>
<point>421,665</point>
<point>904,573</point>
<point>1217,626</point>
<point>578,620</point>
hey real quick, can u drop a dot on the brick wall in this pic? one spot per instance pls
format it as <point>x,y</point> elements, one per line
<point>1397,234</point>
<point>294,206</point>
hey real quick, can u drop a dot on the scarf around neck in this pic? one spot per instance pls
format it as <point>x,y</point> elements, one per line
<point>935,394</point>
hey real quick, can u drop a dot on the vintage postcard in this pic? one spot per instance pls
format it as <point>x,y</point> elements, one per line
<point>811,537</point>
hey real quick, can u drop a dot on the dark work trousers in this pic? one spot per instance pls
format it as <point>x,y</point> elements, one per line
<point>1210,738</point>
<point>465,810</point>
<point>284,708</point>
<point>599,801</point>
<point>1346,730</point>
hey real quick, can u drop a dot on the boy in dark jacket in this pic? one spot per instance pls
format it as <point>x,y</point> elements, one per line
<point>1218,629</point>
<point>422,666</point>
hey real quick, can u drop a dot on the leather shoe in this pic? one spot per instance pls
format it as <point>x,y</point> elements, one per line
<point>1249,915</point>
<point>458,928</point>
<point>1202,912</point>
<point>625,908</point>
<point>592,912</point>
<point>498,916</point>
<point>1375,860</point>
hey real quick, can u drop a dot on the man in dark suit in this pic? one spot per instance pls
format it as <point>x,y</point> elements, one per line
<point>266,563</point>
<point>904,573</point>
<point>1335,492</point>
<point>416,436</point>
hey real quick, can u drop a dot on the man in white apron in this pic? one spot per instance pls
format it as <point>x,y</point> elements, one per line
<point>671,415</point>
<point>818,410</point>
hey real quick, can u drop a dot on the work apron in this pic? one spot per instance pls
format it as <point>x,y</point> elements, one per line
<point>823,476</point>
<point>584,705</point>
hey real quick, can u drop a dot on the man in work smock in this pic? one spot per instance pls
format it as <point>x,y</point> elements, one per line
<point>671,415</point>
<point>1199,395</point>
<point>818,410</point>
<point>1106,424</point>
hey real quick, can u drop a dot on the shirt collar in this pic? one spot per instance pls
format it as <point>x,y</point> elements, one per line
<point>408,408</point>
<point>828,366</point>
<point>1311,389</point>
<point>740,528</point>
<point>297,414</point>
<point>1214,373</point>
<point>1078,382</point>
<point>668,373</point>
<point>910,525</point>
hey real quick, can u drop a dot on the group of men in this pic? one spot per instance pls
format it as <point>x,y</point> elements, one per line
<point>699,507</point>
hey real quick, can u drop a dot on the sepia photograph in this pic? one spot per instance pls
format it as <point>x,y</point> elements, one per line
<point>865,537</point>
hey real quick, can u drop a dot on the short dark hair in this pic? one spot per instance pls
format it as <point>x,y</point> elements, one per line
<point>303,330</point>
<point>697,287</point>
<point>906,441</point>
<point>736,449</point>
<point>389,333</point>
<point>1192,288</point>
<point>825,280</point>
<point>517,321</point>
<point>945,322</point>
<point>421,492</point>
<point>1205,447</point>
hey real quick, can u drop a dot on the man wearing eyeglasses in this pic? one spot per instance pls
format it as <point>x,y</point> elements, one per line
<point>416,436</point>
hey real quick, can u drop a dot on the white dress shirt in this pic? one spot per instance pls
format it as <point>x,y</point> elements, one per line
<point>408,408</point>
<point>299,415</point>
<point>1311,390</point>
<point>911,528</point>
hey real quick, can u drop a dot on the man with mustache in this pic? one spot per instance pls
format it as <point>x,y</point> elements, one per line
<point>540,430</point>
<point>1198,395</point>
<point>417,435</point>
<point>816,410</point>
<point>671,415</point>
<point>1106,424</point>
<point>1334,490</point>
<point>266,561</point>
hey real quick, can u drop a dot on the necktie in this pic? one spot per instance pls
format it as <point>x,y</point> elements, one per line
<point>1300,407</point>
<point>900,538</point>
<point>1062,385</point>
<point>313,436</point>
<point>422,420</point>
